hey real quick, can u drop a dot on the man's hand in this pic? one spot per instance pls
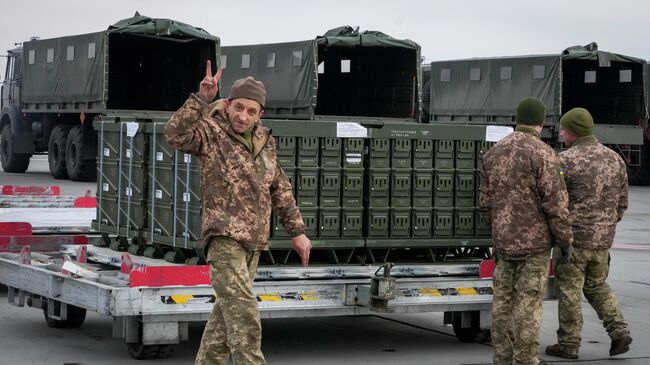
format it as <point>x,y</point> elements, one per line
<point>302,245</point>
<point>209,86</point>
<point>566,254</point>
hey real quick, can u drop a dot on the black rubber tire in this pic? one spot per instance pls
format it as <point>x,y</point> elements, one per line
<point>11,162</point>
<point>56,151</point>
<point>474,333</point>
<point>78,169</point>
<point>139,351</point>
<point>75,317</point>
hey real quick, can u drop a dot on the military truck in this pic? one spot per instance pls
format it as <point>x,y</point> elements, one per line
<point>54,88</point>
<point>613,87</point>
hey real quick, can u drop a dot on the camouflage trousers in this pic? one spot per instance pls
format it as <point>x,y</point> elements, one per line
<point>586,273</point>
<point>519,287</point>
<point>234,326</point>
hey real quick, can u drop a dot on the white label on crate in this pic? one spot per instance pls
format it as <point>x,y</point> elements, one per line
<point>128,153</point>
<point>129,191</point>
<point>159,156</point>
<point>187,158</point>
<point>105,187</point>
<point>353,158</point>
<point>132,129</point>
<point>351,130</point>
<point>186,197</point>
<point>495,133</point>
<point>158,194</point>
<point>107,152</point>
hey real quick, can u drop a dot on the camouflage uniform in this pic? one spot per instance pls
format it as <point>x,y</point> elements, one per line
<point>526,203</point>
<point>596,180</point>
<point>240,183</point>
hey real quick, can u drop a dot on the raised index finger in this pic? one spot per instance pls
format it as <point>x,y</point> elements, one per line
<point>208,69</point>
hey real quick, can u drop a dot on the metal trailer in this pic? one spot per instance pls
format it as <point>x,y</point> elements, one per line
<point>152,302</point>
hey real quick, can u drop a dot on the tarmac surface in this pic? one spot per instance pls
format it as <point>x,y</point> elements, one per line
<point>377,339</point>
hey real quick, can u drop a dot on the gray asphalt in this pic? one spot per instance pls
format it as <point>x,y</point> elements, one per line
<point>385,339</point>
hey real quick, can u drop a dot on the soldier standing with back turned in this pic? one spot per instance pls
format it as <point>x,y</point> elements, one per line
<point>524,197</point>
<point>596,179</point>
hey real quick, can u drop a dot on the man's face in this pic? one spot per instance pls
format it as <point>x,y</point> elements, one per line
<point>243,113</point>
<point>567,137</point>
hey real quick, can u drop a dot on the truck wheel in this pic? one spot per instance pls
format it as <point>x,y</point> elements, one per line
<point>78,168</point>
<point>56,151</point>
<point>75,317</point>
<point>12,162</point>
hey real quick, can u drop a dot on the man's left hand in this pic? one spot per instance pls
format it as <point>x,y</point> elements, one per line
<point>302,245</point>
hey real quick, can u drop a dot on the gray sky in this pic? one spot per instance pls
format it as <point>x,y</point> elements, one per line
<point>445,29</point>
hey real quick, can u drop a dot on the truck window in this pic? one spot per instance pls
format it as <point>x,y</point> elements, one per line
<point>590,77</point>
<point>475,74</point>
<point>9,69</point>
<point>345,66</point>
<point>223,61</point>
<point>50,55</point>
<point>296,58</point>
<point>69,56</point>
<point>624,76</point>
<point>539,72</point>
<point>321,68</point>
<point>18,69</point>
<point>506,73</point>
<point>31,56</point>
<point>245,60</point>
<point>91,50</point>
<point>445,74</point>
<point>270,59</point>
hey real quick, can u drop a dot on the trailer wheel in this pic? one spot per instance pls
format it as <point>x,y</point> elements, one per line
<point>75,316</point>
<point>56,151</point>
<point>474,333</point>
<point>78,168</point>
<point>11,162</point>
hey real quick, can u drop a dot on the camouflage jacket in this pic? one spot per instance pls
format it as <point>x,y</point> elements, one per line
<point>239,186</point>
<point>596,178</point>
<point>524,195</point>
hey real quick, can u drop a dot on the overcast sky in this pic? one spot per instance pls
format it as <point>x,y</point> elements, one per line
<point>445,29</point>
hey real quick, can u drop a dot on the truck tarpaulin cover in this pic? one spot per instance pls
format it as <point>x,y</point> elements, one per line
<point>488,87</point>
<point>289,71</point>
<point>72,69</point>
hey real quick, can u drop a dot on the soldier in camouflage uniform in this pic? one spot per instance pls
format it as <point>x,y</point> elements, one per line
<point>596,180</point>
<point>525,200</point>
<point>241,181</point>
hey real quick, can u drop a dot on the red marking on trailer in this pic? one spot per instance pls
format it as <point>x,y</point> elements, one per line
<point>31,190</point>
<point>183,275</point>
<point>15,229</point>
<point>85,202</point>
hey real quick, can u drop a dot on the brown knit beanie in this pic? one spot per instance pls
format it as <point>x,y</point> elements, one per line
<point>531,111</point>
<point>248,88</point>
<point>578,121</point>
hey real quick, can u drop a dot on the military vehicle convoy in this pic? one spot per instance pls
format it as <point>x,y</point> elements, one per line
<point>613,87</point>
<point>54,88</point>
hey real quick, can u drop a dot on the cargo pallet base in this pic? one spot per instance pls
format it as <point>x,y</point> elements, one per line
<point>152,302</point>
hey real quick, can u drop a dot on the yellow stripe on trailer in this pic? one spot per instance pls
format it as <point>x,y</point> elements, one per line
<point>430,292</point>
<point>466,291</point>
<point>269,298</point>
<point>181,299</point>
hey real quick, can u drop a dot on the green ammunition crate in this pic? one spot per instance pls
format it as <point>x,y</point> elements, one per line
<point>423,154</point>
<point>186,161</point>
<point>286,151</point>
<point>309,217</point>
<point>160,152</point>
<point>307,187</point>
<point>122,178</point>
<point>379,153</point>
<point>353,153</point>
<point>308,151</point>
<point>444,155</point>
<point>161,183</point>
<point>329,222</point>
<point>118,211</point>
<point>465,189</point>
<point>160,219</point>
<point>188,187</point>
<point>400,188</point>
<point>290,173</point>
<point>114,141</point>
<point>351,222</point>
<point>378,188</point>
<point>443,222</point>
<point>464,222</point>
<point>481,226</point>
<point>400,154</point>
<point>378,222</point>
<point>423,188</point>
<point>330,153</point>
<point>188,225</point>
<point>352,182</point>
<point>481,148</point>
<point>421,222</point>
<point>465,155</point>
<point>400,222</point>
<point>330,187</point>
<point>443,195</point>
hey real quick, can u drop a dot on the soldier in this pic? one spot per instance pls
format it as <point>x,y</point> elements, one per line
<point>526,203</point>
<point>596,180</point>
<point>241,181</point>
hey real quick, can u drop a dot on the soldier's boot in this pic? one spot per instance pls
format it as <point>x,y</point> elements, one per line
<point>620,345</point>
<point>558,350</point>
